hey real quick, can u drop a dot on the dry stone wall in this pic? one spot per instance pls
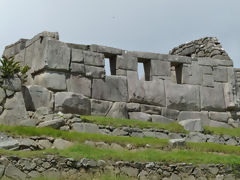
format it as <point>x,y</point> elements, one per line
<point>71,78</point>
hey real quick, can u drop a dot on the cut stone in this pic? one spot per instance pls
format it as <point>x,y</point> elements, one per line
<point>161,119</point>
<point>118,110</point>
<point>192,125</point>
<point>140,116</point>
<point>85,128</point>
<point>100,108</point>
<point>80,85</point>
<point>177,142</point>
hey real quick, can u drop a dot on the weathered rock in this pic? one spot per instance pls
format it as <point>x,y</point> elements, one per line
<point>220,116</point>
<point>36,97</point>
<point>119,132</point>
<point>85,128</point>
<point>100,108</point>
<point>44,144</point>
<point>62,144</point>
<point>13,84</point>
<point>130,171</point>
<point>77,55</point>
<point>140,116</point>
<point>68,102</point>
<point>2,95</point>
<point>93,58</point>
<point>14,173</point>
<point>95,72</point>
<point>149,109</point>
<point>114,88</point>
<point>177,142</point>
<point>170,113</point>
<point>219,124</point>
<point>126,62</point>
<point>182,97</point>
<point>77,68</point>
<point>50,80</point>
<point>15,110</point>
<point>56,123</point>
<point>80,85</point>
<point>192,125</point>
<point>203,115</point>
<point>118,110</point>
<point>133,107</point>
<point>161,119</point>
<point>8,142</point>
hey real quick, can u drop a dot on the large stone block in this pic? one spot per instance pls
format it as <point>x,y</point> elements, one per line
<point>161,119</point>
<point>12,84</point>
<point>140,116</point>
<point>15,111</point>
<point>208,80</point>
<point>192,125</point>
<point>170,113</point>
<point>149,109</point>
<point>220,74</point>
<point>58,55</point>
<point>220,116</point>
<point>95,72</point>
<point>147,92</point>
<point>15,48</point>
<point>118,110</point>
<point>93,58</point>
<point>51,80</point>
<point>68,102</point>
<point>160,68</point>
<point>80,85</point>
<point>203,116</point>
<point>77,55</point>
<point>36,97</point>
<point>100,108</point>
<point>182,97</point>
<point>113,88</point>
<point>212,99</point>
<point>77,68</point>
<point>219,124</point>
<point>126,62</point>
<point>105,49</point>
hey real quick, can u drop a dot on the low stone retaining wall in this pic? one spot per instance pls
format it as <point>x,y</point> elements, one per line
<point>67,168</point>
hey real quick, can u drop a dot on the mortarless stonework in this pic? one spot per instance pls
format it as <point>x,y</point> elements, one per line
<point>195,81</point>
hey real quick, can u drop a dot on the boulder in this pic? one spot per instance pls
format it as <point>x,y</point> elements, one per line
<point>203,115</point>
<point>62,144</point>
<point>220,116</point>
<point>80,85</point>
<point>85,128</point>
<point>51,80</point>
<point>192,125</point>
<point>14,173</point>
<point>15,110</point>
<point>8,142</point>
<point>36,97</point>
<point>182,97</point>
<point>13,84</point>
<point>177,142</point>
<point>56,123</point>
<point>118,110</point>
<point>113,88</point>
<point>68,102</point>
<point>140,116</point>
<point>213,123</point>
<point>100,108</point>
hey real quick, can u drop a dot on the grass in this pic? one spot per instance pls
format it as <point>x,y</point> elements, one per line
<point>115,122</point>
<point>82,137</point>
<point>223,131</point>
<point>79,151</point>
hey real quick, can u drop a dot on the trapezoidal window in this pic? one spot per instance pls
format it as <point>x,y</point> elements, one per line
<point>176,72</point>
<point>144,69</point>
<point>110,64</point>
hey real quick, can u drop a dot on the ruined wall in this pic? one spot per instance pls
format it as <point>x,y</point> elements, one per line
<point>71,78</point>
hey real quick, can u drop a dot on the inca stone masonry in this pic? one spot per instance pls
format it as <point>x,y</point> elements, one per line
<point>194,81</point>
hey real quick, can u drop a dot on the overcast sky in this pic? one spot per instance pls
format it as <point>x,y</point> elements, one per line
<point>144,25</point>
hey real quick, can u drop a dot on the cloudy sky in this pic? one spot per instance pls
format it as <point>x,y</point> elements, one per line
<point>144,25</point>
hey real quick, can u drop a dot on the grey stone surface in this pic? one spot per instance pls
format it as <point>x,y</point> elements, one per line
<point>68,102</point>
<point>126,62</point>
<point>149,109</point>
<point>203,115</point>
<point>140,116</point>
<point>192,125</point>
<point>36,97</point>
<point>220,74</point>
<point>160,68</point>
<point>182,97</point>
<point>77,68</point>
<point>13,84</point>
<point>109,89</point>
<point>212,98</point>
<point>93,58</point>
<point>177,142</point>
<point>14,173</point>
<point>99,107</point>
<point>145,91</point>
<point>15,110</point>
<point>56,123</point>
<point>77,55</point>
<point>7,142</point>
<point>105,49</point>
<point>51,80</point>
<point>170,113</point>
<point>58,55</point>
<point>85,128</point>
<point>220,116</point>
<point>161,119</point>
<point>15,48</point>
<point>219,124</point>
<point>2,95</point>
<point>94,72</point>
<point>62,144</point>
<point>208,80</point>
<point>80,85</point>
<point>118,110</point>
<point>133,107</point>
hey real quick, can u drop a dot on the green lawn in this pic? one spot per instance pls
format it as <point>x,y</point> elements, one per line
<point>115,122</point>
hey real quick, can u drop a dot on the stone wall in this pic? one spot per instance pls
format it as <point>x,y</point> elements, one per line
<point>204,47</point>
<point>71,78</point>
<point>67,168</point>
